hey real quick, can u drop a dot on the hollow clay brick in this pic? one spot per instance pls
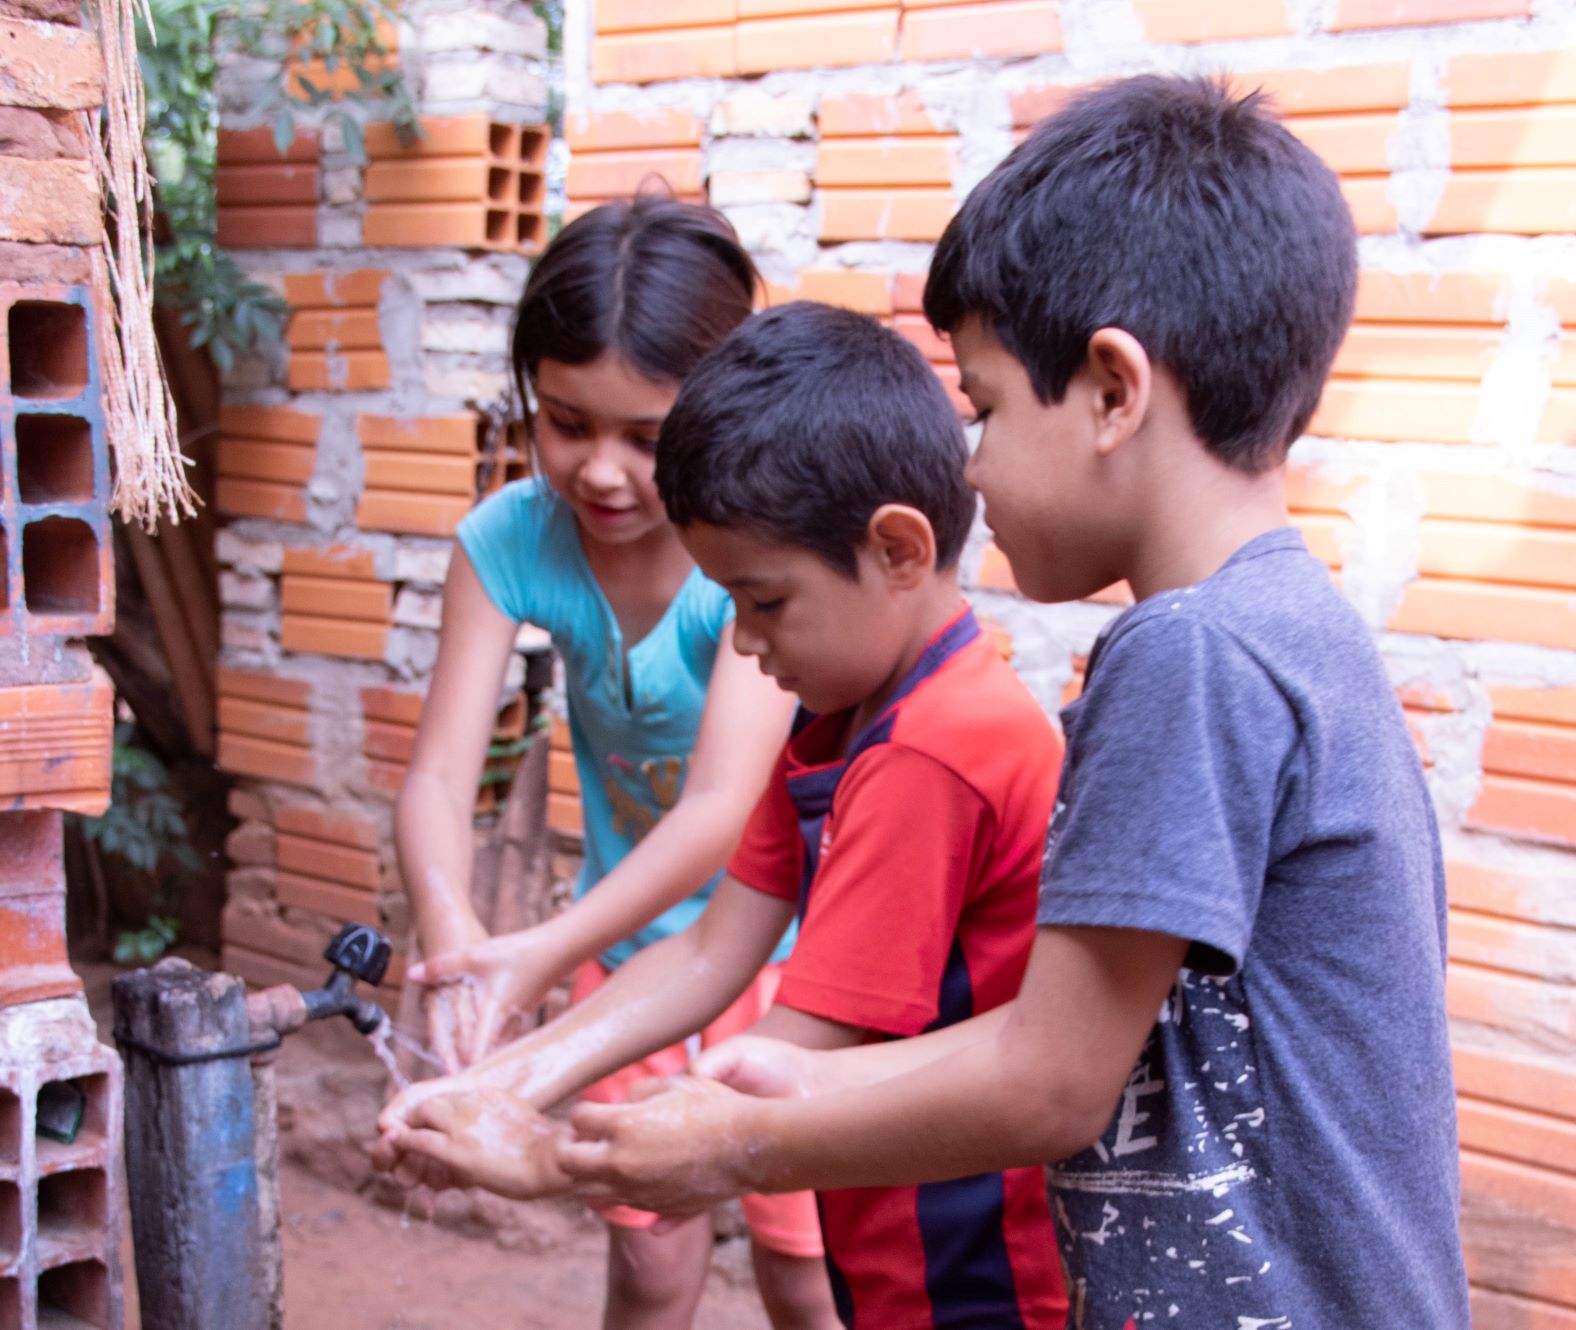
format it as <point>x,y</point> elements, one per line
<point>237,186</point>
<point>292,226</point>
<point>1349,144</point>
<point>649,57</point>
<point>732,189</point>
<point>388,742</point>
<point>257,498</point>
<point>270,422</point>
<point>978,31</point>
<point>266,759</point>
<point>263,720</point>
<point>1450,297</point>
<point>1511,78</point>
<point>263,687</point>
<point>869,163</point>
<point>1386,350</point>
<point>333,637</point>
<point>637,15</point>
<point>337,371</point>
<point>1298,92</point>
<point>337,561</point>
<point>1536,616</point>
<point>564,814</point>
<point>1541,1085</point>
<point>428,434</point>
<point>283,463</point>
<point>51,203</point>
<point>653,127</point>
<point>867,292</point>
<point>1529,748</point>
<point>864,37</point>
<point>335,290</point>
<point>1213,20</point>
<point>1554,705</point>
<point>397,706</point>
<point>1495,499</point>
<point>437,179</point>
<point>337,902</point>
<point>1523,202</point>
<point>1369,199</point>
<point>1545,136</point>
<point>338,863</point>
<point>1397,410</point>
<point>251,147</point>
<point>1516,806</point>
<point>423,474</point>
<point>466,225</point>
<point>862,113</point>
<point>55,746</point>
<point>1489,552</point>
<point>347,329</point>
<point>49,65</point>
<point>609,174</point>
<point>337,598</point>
<point>1350,14</point>
<point>411,514</point>
<point>340,825</point>
<point>878,214</point>
<point>443,136</point>
<point>1505,1132</point>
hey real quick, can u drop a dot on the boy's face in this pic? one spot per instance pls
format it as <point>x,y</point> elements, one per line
<point>1036,469</point>
<point>833,640</point>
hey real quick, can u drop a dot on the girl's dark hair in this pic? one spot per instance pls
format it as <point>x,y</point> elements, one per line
<point>657,280</point>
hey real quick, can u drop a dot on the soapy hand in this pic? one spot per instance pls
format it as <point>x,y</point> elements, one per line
<point>480,1138</point>
<point>677,1146</point>
<point>766,1068</point>
<point>483,985</point>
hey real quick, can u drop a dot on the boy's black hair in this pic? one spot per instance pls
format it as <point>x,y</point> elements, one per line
<point>658,280</point>
<point>1182,214</point>
<point>803,423</point>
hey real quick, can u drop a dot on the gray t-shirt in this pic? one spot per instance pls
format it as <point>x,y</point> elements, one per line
<point>1238,774</point>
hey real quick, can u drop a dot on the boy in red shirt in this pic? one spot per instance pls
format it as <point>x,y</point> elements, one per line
<point>815,469</point>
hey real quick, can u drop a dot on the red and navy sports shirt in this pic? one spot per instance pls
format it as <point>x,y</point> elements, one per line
<point>914,857</point>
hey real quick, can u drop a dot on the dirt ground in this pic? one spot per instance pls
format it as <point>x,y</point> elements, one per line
<point>356,1257</point>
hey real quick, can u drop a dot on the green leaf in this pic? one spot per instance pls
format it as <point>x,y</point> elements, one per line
<point>284,130</point>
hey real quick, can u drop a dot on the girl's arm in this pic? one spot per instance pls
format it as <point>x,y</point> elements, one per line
<point>433,814</point>
<point>742,729</point>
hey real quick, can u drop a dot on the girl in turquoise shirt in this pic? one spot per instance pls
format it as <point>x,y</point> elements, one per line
<point>674,733</point>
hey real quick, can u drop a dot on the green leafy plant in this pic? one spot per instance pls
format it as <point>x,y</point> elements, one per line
<point>180,55</point>
<point>145,828</point>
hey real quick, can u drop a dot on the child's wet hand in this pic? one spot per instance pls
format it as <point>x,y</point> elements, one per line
<point>766,1068</point>
<point>483,1138</point>
<point>488,983</point>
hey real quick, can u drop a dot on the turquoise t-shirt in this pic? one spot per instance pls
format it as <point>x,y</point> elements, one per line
<point>633,714</point>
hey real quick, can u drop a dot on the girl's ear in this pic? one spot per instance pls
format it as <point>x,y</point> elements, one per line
<point>1123,379</point>
<point>903,543</point>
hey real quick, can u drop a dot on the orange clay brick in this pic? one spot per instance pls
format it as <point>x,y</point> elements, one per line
<point>978,31</point>
<point>1318,489</point>
<point>609,174</point>
<point>1487,552</point>
<point>1515,137</point>
<point>1299,92</point>
<point>337,598</point>
<point>338,371</point>
<point>335,290</point>
<point>266,759</point>
<point>285,226</point>
<point>444,136</point>
<point>857,113</point>
<point>864,37</point>
<point>564,814</point>
<point>1542,1086</point>
<point>342,561</point>
<point>908,292</point>
<point>1526,748</point>
<point>1495,499</point>
<point>351,865</point>
<point>1352,14</point>
<point>1511,78</point>
<point>636,15</point>
<point>932,345</point>
<point>238,147</point>
<point>1506,1002</point>
<point>868,292</point>
<point>261,687</point>
<point>426,434</point>
<point>1488,612</point>
<point>350,329</point>
<point>1388,351</point>
<point>1032,105</point>
<point>282,463</point>
<point>1325,535</point>
<point>469,225</point>
<point>1516,948</point>
<point>259,184</point>
<point>1348,144</point>
<point>258,498</point>
<point>1400,410</point>
<point>1514,895</point>
<point>411,514</point>
<point>1552,705</point>
<point>651,57</point>
<point>653,127</point>
<point>870,163</point>
<point>397,706</point>
<point>1518,806</point>
<point>333,637</point>
<point>346,903</point>
<point>1508,1133</point>
<point>1559,418</point>
<point>1522,202</point>
<point>1449,297</point>
<point>427,475</point>
<point>1368,198</point>
<point>440,179</point>
<point>1212,20</point>
<point>270,422</point>
<point>263,720</point>
<point>885,214</point>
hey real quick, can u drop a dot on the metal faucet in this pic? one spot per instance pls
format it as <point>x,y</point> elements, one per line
<point>357,952</point>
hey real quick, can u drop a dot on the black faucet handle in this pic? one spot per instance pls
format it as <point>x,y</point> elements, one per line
<point>360,951</point>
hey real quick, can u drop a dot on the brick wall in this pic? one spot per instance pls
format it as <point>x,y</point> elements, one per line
<point>1436,481</point>
<point>347,454</point>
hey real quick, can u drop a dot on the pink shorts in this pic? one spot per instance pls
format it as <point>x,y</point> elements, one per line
<point>789,1223</point>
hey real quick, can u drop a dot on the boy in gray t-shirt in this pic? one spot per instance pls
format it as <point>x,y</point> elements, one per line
<point>1145,300</point>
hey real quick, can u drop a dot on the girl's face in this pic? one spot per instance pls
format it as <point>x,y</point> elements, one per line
<point>596,439</point>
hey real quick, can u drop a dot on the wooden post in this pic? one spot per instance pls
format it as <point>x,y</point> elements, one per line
<point>192,1179</point>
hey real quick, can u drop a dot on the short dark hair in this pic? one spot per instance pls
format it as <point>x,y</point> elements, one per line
<point>1181,213</point>
<point>658,280</point>
<point>803,423</point>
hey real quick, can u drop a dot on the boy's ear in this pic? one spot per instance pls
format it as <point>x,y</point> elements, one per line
<point>1123,379</point>
<point>903,543</point>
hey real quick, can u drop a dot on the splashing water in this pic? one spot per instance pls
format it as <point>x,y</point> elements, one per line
<point>382,1040</point>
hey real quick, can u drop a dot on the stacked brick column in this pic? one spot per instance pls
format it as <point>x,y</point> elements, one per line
<point>1436,481</point>
<point>347,455</point>
<point>60,1201</point>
